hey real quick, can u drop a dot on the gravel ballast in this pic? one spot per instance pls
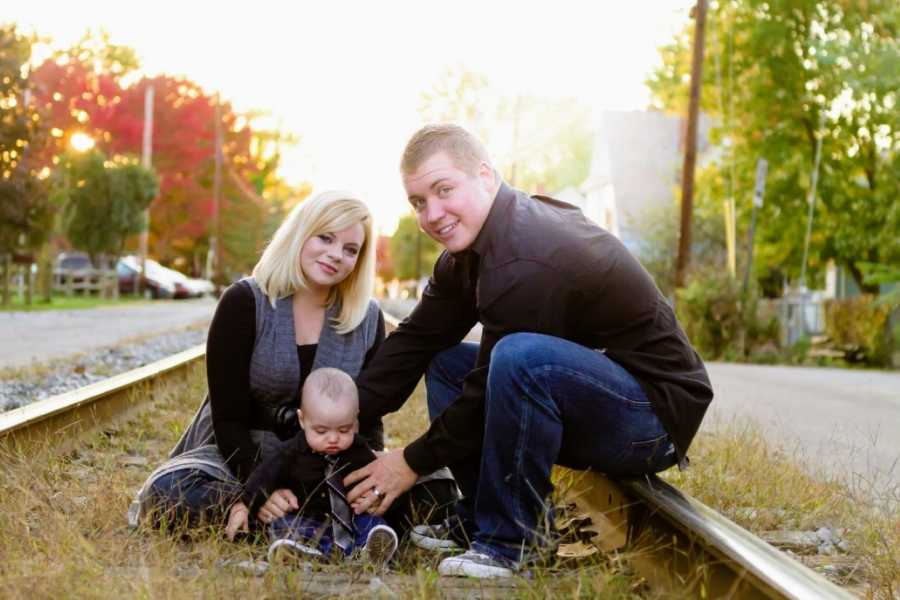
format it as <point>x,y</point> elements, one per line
<point>19,387</point>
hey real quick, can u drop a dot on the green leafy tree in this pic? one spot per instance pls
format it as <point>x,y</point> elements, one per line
<point>658,243</point>
<point>552,143</point>
<point>404,247</point>
<point>24,205</point>
<point>779,75</point>
<point>103,201</point>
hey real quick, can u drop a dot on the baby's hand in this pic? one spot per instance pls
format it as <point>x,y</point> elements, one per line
<point>237,520</point>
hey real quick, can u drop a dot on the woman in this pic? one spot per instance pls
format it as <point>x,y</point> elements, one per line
<point>307,305</point>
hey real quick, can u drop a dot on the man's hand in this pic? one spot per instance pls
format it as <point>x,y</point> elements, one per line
<point>237,520</point>
<point>280,503</point>
<point>379,483</point>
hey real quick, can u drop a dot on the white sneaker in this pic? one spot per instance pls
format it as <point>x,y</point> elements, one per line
<point>286,550</point>
<point>475,564</point>
<point>381,544</point>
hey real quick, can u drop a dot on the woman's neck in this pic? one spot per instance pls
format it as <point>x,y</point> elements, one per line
<point>311,298</point>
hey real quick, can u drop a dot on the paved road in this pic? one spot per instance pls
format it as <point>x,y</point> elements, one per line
<point>844,421</point>
<point>29,337</point>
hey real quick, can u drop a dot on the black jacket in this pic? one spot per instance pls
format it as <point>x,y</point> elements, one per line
<point>302,470</point>
<point>538,265</point>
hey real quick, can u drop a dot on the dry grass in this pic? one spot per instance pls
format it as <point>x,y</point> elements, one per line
<point>64,530</point>
<point>65,533</point>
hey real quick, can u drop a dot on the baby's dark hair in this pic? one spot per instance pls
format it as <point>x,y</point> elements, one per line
<point>330,383</point>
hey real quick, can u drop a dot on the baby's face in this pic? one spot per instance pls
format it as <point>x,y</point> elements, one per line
<point>328,425</point>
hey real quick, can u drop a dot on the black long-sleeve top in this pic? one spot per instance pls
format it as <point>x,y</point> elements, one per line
<point>302,470</point>
<point>229,346</point>
<point>537,265</point>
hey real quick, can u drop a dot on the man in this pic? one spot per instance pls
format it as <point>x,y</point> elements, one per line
<point>581,361</point>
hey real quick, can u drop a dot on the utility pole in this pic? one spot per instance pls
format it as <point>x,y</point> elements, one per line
<point>690,148</point>
<point>213,268</point>
<point>146,161</point>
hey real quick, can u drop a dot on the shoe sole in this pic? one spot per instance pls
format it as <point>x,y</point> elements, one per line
<point>451,567</point>
<point>380,546</point>
<point>285,551</point>
<point>434,544</point>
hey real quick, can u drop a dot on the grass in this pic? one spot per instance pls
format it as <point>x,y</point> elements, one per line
<point>65,535</point>
<point>58,302</point>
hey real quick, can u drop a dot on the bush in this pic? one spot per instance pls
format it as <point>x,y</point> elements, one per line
<point>720,325</point>
<point>861,323</point>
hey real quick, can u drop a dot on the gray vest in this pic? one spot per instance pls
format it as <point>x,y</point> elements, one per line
<point>274,370</point>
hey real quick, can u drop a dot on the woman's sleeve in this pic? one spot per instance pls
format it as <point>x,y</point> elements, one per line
<point>379,337</point>
<point>229,347</point>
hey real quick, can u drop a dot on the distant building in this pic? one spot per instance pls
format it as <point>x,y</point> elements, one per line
<point>636,166</point>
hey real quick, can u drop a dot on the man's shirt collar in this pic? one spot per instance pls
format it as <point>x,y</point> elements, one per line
<point>504,198</point>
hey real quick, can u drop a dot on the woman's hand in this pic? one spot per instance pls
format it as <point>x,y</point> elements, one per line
<point>380,483</point>
<point>280,503</point>
<point>237,520</point>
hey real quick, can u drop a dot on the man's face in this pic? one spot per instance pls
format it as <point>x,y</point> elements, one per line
<point>451,205</point>
<point>328,425</point>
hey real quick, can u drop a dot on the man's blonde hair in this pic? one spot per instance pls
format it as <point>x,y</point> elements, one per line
<point>463,148</point>
<point>330,383</point>
<point>278,272</point>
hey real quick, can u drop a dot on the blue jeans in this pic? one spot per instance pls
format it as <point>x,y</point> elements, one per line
<point>318,533</point>
<point>191,496</point>
<point>548,401</point>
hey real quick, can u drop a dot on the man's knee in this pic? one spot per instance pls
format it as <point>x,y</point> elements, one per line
<point>519,351</point>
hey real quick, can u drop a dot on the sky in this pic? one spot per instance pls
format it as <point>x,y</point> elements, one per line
<point>346,77</point>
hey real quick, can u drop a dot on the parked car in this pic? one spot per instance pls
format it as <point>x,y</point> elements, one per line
<point>129,269</point>
<point>160,281</point>
<point>72,266</point>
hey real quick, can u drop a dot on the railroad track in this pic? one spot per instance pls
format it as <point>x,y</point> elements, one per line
<point>674,541</point>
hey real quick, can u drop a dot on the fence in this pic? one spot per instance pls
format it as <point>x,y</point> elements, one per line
<point>105,283</point>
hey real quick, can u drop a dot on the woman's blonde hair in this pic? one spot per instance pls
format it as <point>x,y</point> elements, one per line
<point>278,271</point>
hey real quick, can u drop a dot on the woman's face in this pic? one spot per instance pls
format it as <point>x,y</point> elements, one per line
<point>328,258</point>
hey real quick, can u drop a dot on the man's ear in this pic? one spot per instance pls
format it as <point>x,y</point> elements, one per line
<point>300,417</point>
<point>486,175</point>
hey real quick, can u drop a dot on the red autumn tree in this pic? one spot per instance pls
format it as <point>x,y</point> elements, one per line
<point>80,90</point>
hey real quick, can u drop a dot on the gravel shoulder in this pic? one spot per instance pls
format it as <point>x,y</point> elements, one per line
<point>47,353</point>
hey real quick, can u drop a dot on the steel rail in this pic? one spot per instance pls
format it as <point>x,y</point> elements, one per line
<point>59,420</point>
<point>673,540</point>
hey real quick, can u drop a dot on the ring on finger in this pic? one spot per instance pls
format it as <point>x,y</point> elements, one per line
<point>376,492</point>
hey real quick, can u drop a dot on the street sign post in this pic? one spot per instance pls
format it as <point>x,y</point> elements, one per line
<point>759,189</point>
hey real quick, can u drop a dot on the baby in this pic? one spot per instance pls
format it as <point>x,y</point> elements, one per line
<point>312,465</point>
